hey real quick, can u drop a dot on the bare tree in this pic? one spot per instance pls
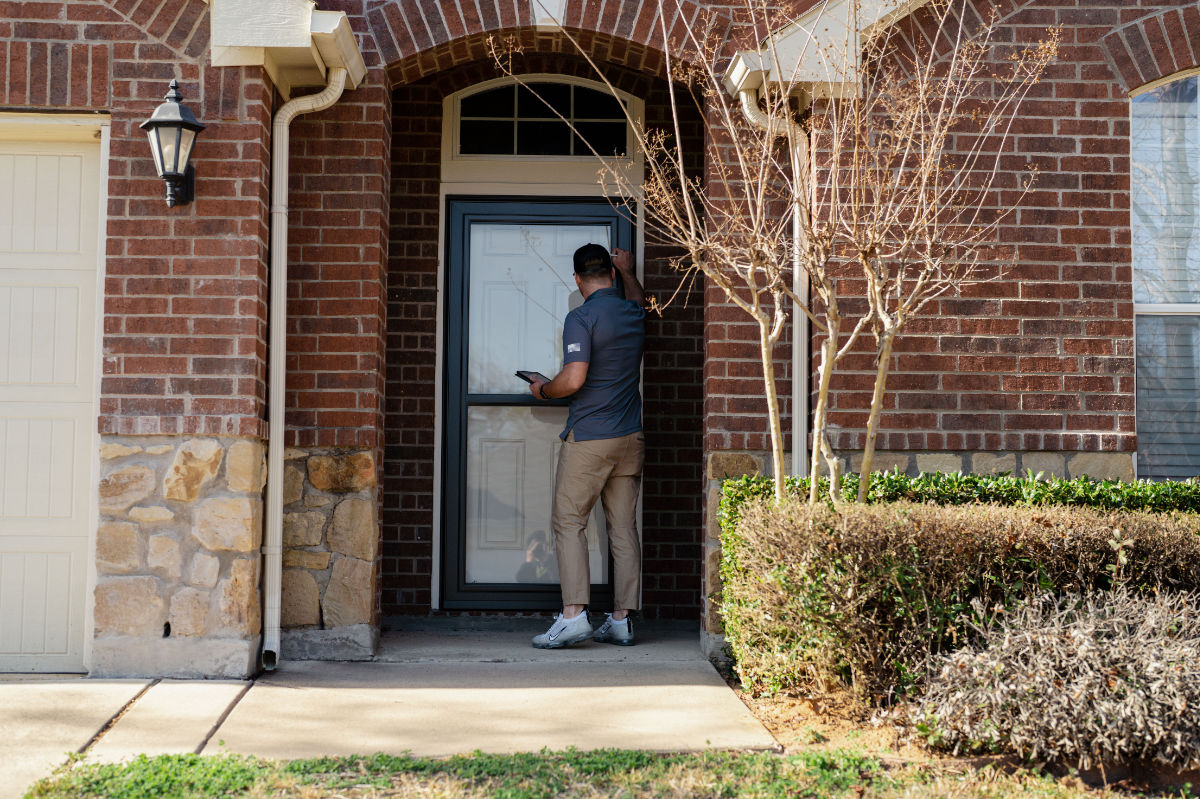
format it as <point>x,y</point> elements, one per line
<point>881,171</point>
<point>913,163</point>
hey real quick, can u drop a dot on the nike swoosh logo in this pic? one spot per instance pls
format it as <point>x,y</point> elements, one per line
<point>554,636</point>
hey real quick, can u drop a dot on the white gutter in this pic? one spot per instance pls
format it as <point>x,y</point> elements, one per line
<point>800,335</point>
<point>273,536</point>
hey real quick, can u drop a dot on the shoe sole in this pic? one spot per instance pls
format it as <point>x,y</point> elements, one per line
<point>613,641</point>
<point>562,643</point>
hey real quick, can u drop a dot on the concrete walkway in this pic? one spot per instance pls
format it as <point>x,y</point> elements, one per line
<point>436,688</point>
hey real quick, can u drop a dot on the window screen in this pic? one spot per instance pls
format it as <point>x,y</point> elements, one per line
<point>1164,198</point>
<point>1168,385</point>
<point>525,120</point>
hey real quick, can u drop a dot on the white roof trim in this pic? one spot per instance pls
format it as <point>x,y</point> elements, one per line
<point>818,53</point>
<point>291,39</point>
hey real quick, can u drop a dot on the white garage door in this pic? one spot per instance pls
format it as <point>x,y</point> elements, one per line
<point>49,210</point>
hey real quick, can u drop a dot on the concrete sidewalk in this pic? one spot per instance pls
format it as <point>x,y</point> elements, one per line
<point>437,688</point>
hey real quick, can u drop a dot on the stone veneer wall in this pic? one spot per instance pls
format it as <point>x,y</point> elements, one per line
<point>177,557</point>
<point>330,555</point>
<point>722,465</point>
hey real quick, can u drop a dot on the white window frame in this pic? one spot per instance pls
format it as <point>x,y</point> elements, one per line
<point>567,169</point>
<point>1155,309</point>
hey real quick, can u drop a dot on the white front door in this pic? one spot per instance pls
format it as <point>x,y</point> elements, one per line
<point>49,212</point>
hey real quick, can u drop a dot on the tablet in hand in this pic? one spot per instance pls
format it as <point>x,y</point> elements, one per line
<point>529,377</point>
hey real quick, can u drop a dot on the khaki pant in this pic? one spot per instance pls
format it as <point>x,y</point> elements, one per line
<point>609,469</point>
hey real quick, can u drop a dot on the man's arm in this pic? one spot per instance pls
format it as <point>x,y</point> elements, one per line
<point>564,384</point>
<point>623,261</point>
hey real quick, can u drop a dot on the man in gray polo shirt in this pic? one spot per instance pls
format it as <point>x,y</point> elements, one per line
<point>603,444</point>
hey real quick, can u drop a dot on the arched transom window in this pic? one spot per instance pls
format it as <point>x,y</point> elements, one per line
<point>1165,221</point>
<point>542,118</point>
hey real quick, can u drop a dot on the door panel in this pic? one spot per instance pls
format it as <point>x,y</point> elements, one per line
<point>49,211</point>
<point>512,455</point>
<point>510,284</point>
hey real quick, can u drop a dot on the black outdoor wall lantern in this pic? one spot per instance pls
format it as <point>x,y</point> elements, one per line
<point>172,130</point>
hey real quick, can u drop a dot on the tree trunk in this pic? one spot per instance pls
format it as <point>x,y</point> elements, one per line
<point>767,351</point>
<point>824,376</point>
<point>881,373</point>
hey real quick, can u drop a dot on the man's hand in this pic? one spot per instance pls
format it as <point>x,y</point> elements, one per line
<point>535,388</point>
<point>623,262</point>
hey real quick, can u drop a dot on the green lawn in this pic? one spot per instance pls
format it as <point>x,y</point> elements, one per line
<point>570,773</point>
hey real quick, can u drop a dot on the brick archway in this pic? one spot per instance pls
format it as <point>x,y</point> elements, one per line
<point>444,34</point>
<point>1155,46</point>
<point>673,506</point>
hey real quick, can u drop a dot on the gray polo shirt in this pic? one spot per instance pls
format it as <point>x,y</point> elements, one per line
<point>608,333</point>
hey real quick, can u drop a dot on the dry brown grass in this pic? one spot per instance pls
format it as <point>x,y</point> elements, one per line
<point>840,722</point>
<point>1101,679</point>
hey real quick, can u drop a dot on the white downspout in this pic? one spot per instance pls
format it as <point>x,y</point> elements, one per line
<point>800,336</point>
<point>273,537</point>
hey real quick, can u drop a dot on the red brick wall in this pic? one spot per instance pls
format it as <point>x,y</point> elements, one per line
<point>184,287</point>
<point>1041,359</point>
<point>673,484</point>
<point>337,252</point>
<point>408,498</point>
<point>673,481</point>
<point>735,408</point>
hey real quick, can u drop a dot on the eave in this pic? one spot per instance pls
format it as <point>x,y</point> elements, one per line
<point>818,54</point>
<point>291,39</point>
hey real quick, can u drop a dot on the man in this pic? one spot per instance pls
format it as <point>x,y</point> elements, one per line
<point>603,445</point>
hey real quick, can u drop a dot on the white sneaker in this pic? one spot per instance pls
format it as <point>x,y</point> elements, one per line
<point>564,632</point>
<point>615,632</point>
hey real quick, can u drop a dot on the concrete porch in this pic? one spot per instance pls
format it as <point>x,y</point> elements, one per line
<point>437,687</point>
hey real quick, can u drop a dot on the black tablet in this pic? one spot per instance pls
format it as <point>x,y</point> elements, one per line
<point>529,377</point>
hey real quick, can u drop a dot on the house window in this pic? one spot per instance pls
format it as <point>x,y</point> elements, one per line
<point>1165,198</point>
<point>532,120</point>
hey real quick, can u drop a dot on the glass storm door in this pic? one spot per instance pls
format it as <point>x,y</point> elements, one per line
<point>509,286</point>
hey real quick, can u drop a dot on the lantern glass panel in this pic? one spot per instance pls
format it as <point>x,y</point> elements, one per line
<point>168,137</point>
<point>187,139</point>
<point>152,135</point>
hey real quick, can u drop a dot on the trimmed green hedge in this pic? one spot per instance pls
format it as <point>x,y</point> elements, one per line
<point>971,489</point>
<point>862,595</point>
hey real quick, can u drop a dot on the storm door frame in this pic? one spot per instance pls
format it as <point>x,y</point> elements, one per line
<point>461,211</point>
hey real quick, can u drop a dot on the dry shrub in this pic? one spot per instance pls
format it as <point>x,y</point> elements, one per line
<point>1107,678</point>
<point>863,594</point>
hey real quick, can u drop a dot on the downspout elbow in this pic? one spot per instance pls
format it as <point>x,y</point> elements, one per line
<point>272,549</point>
<point>750,110</point>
